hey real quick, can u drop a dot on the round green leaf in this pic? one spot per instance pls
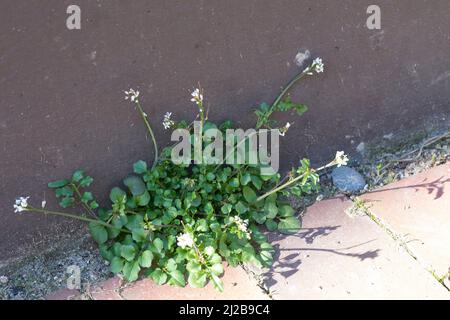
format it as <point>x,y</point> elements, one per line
<point>135,184</point>
<point>193,266</point>
<point>87,196</point>
<point>286,211</point>
<point>217,269</point>
<point>271,225</point>
<point>128,252</point>
<point>158,244</point>
<point>143,199</point>
<point>159,276</point>
<point>116,265</point>
<point>98,232</point>
<point>257,182</point>
<point>234,183</point>
<point>117,194</point>
<point>241,208</point>
<point>139,234</point>
<point>131,271</point>
<point>289,225</point>
<point>270,209</point>
<point>78,175</point>
<point>197,280</point>
<point>226,208</point>
<point>177,278</point>
<point>146,259</point>
<point>259,217</point>
<point>86,182</point>
<point>140,167</point>
<point>249,194</point>
<point>171,265</point>
<point>245,179</point>
<point>59,183</point>
<point>105,252</point>
<point>67,202</point>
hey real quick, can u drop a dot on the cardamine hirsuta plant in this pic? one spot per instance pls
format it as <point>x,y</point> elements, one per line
<point>178,223</point>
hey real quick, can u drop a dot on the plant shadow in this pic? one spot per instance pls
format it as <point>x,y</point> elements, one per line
<point>287,264</point>
<point>433,187</point>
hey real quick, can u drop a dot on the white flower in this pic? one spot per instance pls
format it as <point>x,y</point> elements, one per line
<point>21,204</point>
<point>132,95</point>
<point>185,240</point>
<point>318,65</point>
<point>284,129</point>
<point>197,97</point>
<point>242,225</point>
<point>341,159</point>
<point>167,122</point>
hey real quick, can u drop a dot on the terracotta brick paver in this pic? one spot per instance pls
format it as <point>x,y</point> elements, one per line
<point>335,256</point>
<point>418,208</point>
<point>63,294</point>
<point>238,286</point>
<point>107,290</point>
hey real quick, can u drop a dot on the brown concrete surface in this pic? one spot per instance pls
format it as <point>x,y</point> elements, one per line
<point>62,105</point>
<point>338,257</point>
<point>418,209</point>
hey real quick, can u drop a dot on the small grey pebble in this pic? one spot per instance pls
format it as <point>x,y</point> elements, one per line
<point>348,179</point>
<point>4,279</point>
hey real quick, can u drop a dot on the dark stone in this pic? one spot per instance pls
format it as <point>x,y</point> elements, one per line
<point>348,179</point>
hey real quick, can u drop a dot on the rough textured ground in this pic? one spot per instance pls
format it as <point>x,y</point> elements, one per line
<point>41,273</point>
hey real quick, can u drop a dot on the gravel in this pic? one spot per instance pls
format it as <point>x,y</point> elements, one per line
<point>37,275</point>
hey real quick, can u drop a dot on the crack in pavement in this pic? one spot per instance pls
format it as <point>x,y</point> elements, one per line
<point>398,239</point>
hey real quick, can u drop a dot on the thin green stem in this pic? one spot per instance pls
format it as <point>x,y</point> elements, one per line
<point>73,216</point>
<point>81,218</point>
<point>150,131</point>
<point>282,94</point>
<point>290,182</point>
<point>77,191</point>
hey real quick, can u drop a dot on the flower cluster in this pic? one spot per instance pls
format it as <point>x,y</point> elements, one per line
<point>317,65</point>
<point>21,204</point>
<point>185,240</point>
<point>341,159</point>
<point>197,97</point>
<point>132,94</point>
<point>242,225</point>
<point>284,129</point>
<point>167,121</point>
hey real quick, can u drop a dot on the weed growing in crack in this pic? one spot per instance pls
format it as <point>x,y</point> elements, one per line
<point>178,223</point>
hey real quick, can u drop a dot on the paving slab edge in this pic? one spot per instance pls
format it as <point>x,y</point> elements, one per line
<point>398,239</point>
